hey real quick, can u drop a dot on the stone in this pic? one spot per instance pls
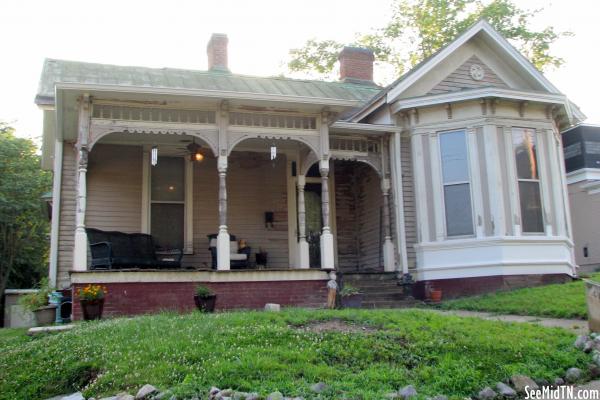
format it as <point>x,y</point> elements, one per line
<point>213,390</point>
<point>407,392</point>
<point>573,375</point>
<point>594,371</point>
<point>272,307</point>
<point>145,392</point>
<point>319,387</point>
<point>596,358</point>
<point>486,393</point>
<point>124,396</point>
<point>226,393</point>
<point>440,397</point>
<point>520,382</point>
<point>239,395</point>
<point>505,391</point>
<point>559,382</point>
<point>275,396</point>
<point>580,341</point>
<point>253,396</point>
<point>392,395</point>
<point>589,346</point>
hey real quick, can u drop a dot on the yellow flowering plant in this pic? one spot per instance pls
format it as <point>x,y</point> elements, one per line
<point>92,292</point>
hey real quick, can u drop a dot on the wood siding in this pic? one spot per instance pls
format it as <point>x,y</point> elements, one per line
<point>410,216</point>
<point>66,230</point>
<point>358,207</point>
<point>461,79</point>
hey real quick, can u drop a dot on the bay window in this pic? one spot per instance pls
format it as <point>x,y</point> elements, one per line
<point>456,183</point>
<point>525,151</point>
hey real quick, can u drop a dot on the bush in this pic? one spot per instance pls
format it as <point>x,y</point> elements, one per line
<point>203,291</point>
<point>34,301</point>
<point>349,290</point>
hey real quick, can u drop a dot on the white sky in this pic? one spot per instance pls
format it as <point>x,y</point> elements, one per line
<point>261,32</point>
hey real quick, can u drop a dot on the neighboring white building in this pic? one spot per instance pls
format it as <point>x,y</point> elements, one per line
<point>453,175</point>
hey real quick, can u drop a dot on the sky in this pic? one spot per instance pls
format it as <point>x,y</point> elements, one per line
<point>261,32</point>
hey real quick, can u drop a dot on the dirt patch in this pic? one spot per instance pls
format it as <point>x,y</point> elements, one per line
<point>336,325</point>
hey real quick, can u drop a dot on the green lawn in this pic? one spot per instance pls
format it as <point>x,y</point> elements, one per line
<point>264,352</point>
<point>560,301</point>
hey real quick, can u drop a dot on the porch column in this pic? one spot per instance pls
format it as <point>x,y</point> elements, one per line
<point>303,253</point>
<point>388,246</point>
<point>223,259</point>
<point>80,245</point>
<point>327,256</point>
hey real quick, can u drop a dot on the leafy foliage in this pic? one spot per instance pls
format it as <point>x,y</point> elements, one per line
<point>92,292</point>
<point>419,28</point>
<point>23,226</point>
<point>203,291</point>
<point>33,301</point>
<point>264,352</point>
<point>559,301</point>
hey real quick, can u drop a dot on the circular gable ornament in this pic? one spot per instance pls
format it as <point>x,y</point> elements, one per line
<point>477,72</point>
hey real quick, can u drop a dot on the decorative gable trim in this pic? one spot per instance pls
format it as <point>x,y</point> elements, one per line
<point>472,74</point>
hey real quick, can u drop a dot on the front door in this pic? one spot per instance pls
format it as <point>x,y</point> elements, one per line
<point>314,222</point>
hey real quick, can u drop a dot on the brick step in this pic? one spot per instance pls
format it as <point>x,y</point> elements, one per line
<point>369,277</point>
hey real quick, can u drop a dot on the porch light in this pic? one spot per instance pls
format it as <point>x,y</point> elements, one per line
<point>154,156</point>
<point>195,152</point>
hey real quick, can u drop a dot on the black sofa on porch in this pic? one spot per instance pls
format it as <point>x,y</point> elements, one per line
<point>119,250</point>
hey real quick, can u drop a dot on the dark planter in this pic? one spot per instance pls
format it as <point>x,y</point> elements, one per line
<point>92,309</point>
<point>352,301</point>
<point>206,303</point>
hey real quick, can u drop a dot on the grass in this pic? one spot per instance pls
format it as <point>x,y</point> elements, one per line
<point>264,352</point>
<point>565,300</point>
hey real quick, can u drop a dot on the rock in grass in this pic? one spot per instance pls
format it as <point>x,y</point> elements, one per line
<point>124,396</point>
<point>392,395</point>
<point>559,382</point>
<point>440,397</point>
<point>581,341</point>
<point>520,382</point>
<point>74,396</point>
<point>275,396</point>
<point>589,346</point>
<point>253,396</point>
<point>594,371</point>
<point>145,392</point>
<point>505,391</point>
<point>486,393</point>
<point>407,392</point>
<point>272,307</point>
<point>319,387</point>
<point>573,375</point>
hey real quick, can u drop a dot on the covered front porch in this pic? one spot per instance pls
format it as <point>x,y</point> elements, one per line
<point>269,194</point>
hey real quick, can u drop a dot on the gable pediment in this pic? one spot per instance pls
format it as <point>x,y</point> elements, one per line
<point>472,74</point>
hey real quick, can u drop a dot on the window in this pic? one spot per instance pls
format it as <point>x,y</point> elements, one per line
<point>167,202</point>
<point>525,149</point>
<point>456,183</point>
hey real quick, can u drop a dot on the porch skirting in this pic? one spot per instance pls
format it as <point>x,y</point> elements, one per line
<point>145,292</point>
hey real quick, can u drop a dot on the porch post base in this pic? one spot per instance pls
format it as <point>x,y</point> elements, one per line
<point>80,250</point>
<point>223,248</point>
<point>388,256</point>
<point>303,255</point>
<point>327,256</point>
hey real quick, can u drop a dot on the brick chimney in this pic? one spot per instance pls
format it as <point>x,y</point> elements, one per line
<point>217,52</point>
<point>356,65</point>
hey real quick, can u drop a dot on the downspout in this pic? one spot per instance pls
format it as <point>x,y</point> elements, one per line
<point>399,203</point>
<point>56,188</point>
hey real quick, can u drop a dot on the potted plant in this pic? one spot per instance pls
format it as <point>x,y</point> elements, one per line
<point>435,295</point>
<point>205,299</point>
<point>37,303</point>
<point>91,298</point>
<point>351,297</point>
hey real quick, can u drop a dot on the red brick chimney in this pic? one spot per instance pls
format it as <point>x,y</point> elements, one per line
<point>217,52</point>
<point>356,65</point>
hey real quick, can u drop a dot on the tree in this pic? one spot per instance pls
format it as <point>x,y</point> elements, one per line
<point>419,28</point>
<point>23,225</point>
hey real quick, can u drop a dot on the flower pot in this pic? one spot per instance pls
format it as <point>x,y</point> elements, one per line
<point>45,315</point>
<point>92,309</point>
<point>205,303</point>
<point>435,296</point>
<point>352,301</point>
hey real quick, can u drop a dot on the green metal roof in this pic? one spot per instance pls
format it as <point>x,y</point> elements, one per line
<point>61,71</point>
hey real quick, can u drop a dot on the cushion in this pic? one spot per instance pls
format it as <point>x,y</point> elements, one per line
<point>238,257</point>
<point>233,246</point>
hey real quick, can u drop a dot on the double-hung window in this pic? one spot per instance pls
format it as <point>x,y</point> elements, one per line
<point>525,150</point>
<point>456,183</point>
<point>167,202</point>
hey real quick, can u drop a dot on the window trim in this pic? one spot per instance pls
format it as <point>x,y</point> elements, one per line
<point>454,183</point>
<point>518,180</point>
<point>188,205</point>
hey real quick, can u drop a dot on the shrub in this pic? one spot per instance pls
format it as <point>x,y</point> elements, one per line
<point>203,291</point>
<point>39,299</point>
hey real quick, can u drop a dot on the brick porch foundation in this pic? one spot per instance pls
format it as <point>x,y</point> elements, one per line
<point>452,288</point>
<point>133,298</point>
